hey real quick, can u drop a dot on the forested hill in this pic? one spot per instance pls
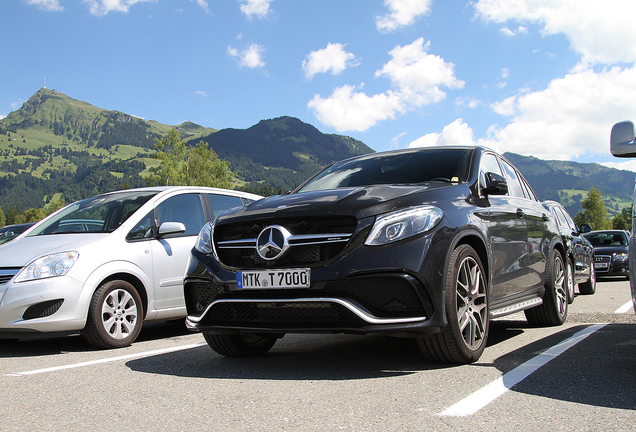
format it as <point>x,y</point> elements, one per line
<point>566,181</point>
<point>280,152</point>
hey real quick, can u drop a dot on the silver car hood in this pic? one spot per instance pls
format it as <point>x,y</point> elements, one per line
<point>22,251</point>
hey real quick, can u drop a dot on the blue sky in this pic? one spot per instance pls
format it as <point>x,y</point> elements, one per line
<point>546,78</point>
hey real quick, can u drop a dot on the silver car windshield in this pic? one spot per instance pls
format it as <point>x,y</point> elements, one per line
<point>416,167</point>
<point>103,213</point>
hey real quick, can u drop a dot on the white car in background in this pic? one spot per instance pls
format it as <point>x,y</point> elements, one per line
<point>105,264</point>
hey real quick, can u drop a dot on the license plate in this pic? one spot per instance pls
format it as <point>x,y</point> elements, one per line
<point>268,279</point>
<point>601,265</point>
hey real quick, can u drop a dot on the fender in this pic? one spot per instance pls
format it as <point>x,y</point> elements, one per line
<point>108,269</point>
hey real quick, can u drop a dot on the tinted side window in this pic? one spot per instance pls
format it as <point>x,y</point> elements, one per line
<point>186,208</point>
<point>559,215</point>
<point>569,220</point>
<point>220,203</point>
<point>514,184</point>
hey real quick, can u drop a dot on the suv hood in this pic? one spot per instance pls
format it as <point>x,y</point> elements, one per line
<point>22,251</point>
<point>360,202</point>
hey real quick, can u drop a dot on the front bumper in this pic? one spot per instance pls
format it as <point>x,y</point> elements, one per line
<point>393,289</point>
<point>41,306</point>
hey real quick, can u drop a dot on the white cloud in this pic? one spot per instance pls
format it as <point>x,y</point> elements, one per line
<point>251,57</point>
<point>204,5</point>
<point>419,75</point>
<point>467,102</point>
<point>255,8</point>
<point>347,110</point>
<point>201,93</point>
<point>601,31</point>
<point>506,107</point>
<point>456,133</point>
<point>395,141</point>
<point>571,117</point>
<point>2,116</point>
<point>333,58</point>
<point>507,32</point>
<point>401,13</point>
<point>48,5</point>
<point>628,165</point>
<point>416,78</point>
<point>103,7</point>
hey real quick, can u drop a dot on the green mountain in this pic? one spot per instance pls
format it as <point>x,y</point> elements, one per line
<point>280,152</point>
<point>57,145</point>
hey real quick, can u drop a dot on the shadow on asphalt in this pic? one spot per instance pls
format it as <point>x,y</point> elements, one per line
<point>43,345</point>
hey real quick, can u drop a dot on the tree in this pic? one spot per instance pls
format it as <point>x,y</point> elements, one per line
<point>594,213</point>
<point>623,220</point>
<point>188,166</point>
<point>3,220</point>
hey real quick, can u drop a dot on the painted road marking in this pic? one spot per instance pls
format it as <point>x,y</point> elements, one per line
<point>627,306</point>
<point>482,397</point>
<point>107,360</point>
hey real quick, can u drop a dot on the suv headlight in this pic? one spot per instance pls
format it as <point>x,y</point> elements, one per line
<point>48,266</point>
<point>402,224</point>
<point>204,241</point>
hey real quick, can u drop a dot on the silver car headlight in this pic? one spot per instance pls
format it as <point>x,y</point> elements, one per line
<point>48,266</point>
<point>404,223</point>
<point>204,241</point>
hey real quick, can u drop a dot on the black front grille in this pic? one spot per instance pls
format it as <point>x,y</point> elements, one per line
<point>301,255</point>
<point>282,314</point>
<point>200,294</point>
<point>43,309</point>
<point>295,225</point>
<point>383,295</point>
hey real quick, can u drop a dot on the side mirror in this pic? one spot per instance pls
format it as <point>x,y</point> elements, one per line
<point>622,143</point>
<point>585,228</point>
<point>495,184</point>
<point>168,228</point>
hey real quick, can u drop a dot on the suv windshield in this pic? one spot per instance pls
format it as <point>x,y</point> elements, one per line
<point>413,167</point>
<point>103,213</point>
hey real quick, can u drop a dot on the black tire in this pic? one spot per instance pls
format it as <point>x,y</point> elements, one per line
<point>463,340</point>
<point>589,287</point>
<point>569,279</point>
<point>240,345</point>
<point>115,315</point>
<point>554,310</point>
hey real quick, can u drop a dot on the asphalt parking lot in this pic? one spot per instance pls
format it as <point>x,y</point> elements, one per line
<point>580,376</point>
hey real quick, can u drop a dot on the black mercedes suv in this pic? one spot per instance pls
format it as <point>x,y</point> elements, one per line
<point>427,243</point>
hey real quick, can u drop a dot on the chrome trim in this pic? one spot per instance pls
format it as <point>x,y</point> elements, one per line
<point>516,308</point>
<point>353,308</point>
<point>303,240</point>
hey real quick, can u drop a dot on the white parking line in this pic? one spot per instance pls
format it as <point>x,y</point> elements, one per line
<point>482,397</point>
<point>627,306</point>
<point>107,360</point>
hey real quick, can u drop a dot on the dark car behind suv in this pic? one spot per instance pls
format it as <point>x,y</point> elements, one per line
<point>578,250</point>
<point>429,244</point>
<point>611,252</point>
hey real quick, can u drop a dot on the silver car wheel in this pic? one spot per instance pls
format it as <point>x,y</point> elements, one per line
<point>560,286</point>
<point>471,303</point>
<point>119,314</point>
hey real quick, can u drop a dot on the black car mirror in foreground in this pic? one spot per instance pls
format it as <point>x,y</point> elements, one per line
<point>623,144</point>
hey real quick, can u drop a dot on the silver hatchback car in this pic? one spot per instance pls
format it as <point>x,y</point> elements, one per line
<point>105,264</point>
